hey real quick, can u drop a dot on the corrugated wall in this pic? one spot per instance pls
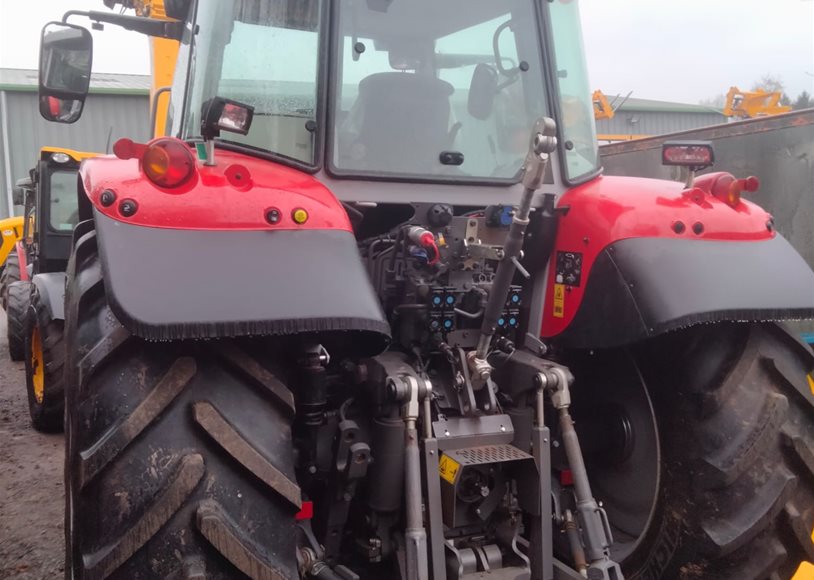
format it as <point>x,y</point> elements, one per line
<point>105,115</point>
<point>655,123</point>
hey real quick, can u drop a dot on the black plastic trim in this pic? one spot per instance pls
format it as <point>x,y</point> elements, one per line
<point>643,287</point>
<point>168,284</point>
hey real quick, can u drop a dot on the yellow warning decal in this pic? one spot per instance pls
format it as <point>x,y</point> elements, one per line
<point>448,468</point>
<point>811,386</point>
<point>559,300</point>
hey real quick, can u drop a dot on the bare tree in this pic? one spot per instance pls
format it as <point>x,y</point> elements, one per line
<point>771,83</point>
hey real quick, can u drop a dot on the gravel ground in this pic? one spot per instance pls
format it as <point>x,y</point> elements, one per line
<point>31,494</point>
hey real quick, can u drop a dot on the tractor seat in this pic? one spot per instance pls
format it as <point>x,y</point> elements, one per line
<point>403,123</point>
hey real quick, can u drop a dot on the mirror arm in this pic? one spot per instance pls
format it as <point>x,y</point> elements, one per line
<point>172,29</point>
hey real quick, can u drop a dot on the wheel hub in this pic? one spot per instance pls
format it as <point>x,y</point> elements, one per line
<point>618,430</point>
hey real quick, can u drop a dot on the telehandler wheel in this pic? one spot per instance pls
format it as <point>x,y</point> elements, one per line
<point>44,367</point>
<point>19,295</point>
<point>179,455</point>
<point>726,489</point>
<point>9,275</point>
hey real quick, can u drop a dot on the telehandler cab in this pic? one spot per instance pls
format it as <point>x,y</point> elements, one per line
<point>438,342</point>
<point>36,280</point>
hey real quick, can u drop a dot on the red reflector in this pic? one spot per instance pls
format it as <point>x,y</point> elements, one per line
<point>566,477</point>
<point>127,149</point>
<point>307,511</point>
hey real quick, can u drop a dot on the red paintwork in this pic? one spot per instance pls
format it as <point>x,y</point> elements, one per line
<point>233,195</point>
<point>608,209</point>
<point>22,260</point>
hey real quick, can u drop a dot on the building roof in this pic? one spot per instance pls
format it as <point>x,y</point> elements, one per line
<point>15,79</point>
<point>24,80</point>
<point>650,105</point>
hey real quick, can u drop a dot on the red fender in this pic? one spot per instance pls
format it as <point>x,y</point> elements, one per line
<point>609,209</point>
<point>288,255</point>
<point>236,194</point>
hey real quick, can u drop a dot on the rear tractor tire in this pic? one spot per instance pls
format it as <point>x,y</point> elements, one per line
<point>179,455</point>
<point>44,367</point>
<point>732,473</point>
<point>9,275</point>
<point>19,295</point>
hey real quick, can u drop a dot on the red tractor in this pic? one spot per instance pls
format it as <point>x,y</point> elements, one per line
<point>372,311</point>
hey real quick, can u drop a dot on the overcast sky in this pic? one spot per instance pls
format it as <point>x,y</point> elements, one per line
<point>678,50</point>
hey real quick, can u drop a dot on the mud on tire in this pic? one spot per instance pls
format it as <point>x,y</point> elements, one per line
<point>19,294</point>
<point>736,415</point>
<point>179,455</point>
<point>47,413</point>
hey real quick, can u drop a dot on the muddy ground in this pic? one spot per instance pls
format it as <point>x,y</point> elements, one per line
<point>31,495</point>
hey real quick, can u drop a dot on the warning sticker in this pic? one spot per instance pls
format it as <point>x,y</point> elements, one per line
<point>448,468</point>
<point>559,300</point>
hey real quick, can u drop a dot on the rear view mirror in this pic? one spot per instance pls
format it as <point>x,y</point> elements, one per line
<point>66,58</point>
<point>482,92</point>
<point>20,189</point>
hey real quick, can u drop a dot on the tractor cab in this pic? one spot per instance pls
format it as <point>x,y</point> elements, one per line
<point>394,91</point>
<point>442,93</point>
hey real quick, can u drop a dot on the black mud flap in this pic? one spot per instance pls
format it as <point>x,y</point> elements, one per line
<point>51,288</point>
<point>643,287</point>
<point>171,284</point>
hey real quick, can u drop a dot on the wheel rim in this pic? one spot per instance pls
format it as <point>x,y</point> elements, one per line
<point>617,427</point>
<point>37,366</point>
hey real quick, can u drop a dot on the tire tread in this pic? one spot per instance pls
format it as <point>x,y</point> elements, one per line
<point>140,467</point>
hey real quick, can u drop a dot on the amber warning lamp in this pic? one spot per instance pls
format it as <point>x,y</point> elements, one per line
<point>727,188</point>
<point>167,162</point>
